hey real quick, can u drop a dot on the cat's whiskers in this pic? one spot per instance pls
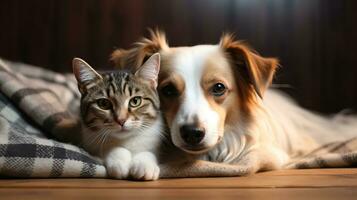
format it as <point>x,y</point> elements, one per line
<point>146,125</point>
<point>92,138</point>
<point>103,139</point>
<point>96,138</point>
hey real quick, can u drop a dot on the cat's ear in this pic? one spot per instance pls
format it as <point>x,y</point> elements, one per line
<point>84,73</point>
<point>150,70</point>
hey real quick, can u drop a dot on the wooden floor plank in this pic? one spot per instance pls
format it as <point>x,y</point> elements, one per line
<point>187,194</point>
<point>316,178</point>
<point>285,184</point>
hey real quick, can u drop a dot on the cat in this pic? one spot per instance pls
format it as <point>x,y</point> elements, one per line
<point>121,122</point>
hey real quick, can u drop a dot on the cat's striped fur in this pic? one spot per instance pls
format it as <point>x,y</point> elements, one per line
<point>121,122</point>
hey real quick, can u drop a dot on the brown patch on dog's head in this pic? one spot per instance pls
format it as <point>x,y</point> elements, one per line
<point>218,71</point>
<point>142,50</point>
<point>170,106</point>
<point>169,80</point>
<point>258,69</point>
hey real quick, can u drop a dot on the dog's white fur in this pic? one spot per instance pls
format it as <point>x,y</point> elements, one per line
<point>275,132</point>
<point>189,64</point>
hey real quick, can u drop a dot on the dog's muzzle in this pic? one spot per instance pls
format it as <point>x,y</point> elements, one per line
<point>191,134</point>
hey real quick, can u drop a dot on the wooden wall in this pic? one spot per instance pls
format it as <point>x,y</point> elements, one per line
<point>315,40</point>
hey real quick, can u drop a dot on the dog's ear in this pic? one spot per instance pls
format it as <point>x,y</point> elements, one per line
<point>258,69</point>
<point>133,58</point>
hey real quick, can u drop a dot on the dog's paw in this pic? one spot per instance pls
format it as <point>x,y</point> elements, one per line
<point>118,170</point>
<point>147,171</point>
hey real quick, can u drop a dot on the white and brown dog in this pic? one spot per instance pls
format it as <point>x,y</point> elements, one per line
<point>217,106</point>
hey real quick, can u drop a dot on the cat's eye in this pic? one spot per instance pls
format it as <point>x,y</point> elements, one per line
<point>218,89</point>
<point>135,101</point>
<point>169,90</point>
<point>104,104</point>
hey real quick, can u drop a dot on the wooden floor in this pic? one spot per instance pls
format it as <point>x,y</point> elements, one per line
<point>289,184</point>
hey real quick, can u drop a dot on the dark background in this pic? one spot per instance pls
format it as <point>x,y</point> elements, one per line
<point>315,40</point>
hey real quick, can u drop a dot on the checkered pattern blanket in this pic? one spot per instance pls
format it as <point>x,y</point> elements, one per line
<point>38,108</point>
<point>335,154</point>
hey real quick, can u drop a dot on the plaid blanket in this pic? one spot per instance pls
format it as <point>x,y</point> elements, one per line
<point>332,155</point>
<point>38,108</point>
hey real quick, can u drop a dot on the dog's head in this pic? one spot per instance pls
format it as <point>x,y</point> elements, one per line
<point>204,89</point>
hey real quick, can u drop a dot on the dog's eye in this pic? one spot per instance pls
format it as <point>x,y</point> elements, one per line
<point>218,89</point>
<point>104,104</point>
<point>169,91</point>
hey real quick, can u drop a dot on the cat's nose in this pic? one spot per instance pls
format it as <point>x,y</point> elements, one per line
<point>121,122</point>
<point>192,134</point>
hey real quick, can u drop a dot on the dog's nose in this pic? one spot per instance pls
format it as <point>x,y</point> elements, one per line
<point>192,134</point>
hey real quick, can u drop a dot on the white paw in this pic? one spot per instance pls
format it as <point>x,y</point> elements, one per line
<point>118,170</point>
<point>117,163</point>
<point>144,170</point>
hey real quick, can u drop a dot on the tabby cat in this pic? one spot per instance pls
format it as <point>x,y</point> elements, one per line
<point>120,117</point>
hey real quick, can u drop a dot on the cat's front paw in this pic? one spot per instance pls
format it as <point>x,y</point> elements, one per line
<point>144,168</point>
<point>118,170</point>
<point>117,163</point>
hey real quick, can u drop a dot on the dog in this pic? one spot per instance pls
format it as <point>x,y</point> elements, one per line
<point>221,114</point>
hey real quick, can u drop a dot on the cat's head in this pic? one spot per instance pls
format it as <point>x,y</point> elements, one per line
<point>119,103</point>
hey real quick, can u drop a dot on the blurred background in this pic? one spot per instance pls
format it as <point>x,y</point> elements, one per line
<point>315,40</point>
